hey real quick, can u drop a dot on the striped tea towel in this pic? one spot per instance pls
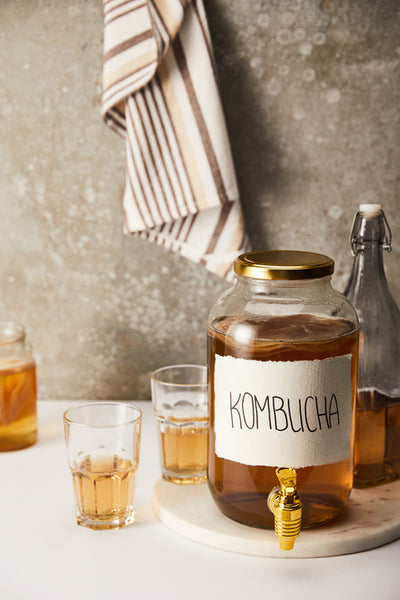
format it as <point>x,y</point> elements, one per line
<point>160,93</point>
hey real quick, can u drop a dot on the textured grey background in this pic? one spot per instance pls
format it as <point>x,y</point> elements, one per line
<point>311,96</point>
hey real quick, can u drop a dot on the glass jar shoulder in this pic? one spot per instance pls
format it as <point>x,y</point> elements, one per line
<point>283,311</point>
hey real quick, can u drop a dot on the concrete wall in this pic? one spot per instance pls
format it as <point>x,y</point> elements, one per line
<point>311,94</point>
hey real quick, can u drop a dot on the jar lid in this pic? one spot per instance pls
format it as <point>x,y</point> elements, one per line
<point>283,264</point>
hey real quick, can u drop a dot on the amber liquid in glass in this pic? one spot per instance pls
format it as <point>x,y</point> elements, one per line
<point>184,450</point>
<point>377,439</point>
<point>18,420</point>
<point>104,491</point>
<point>241,490</point>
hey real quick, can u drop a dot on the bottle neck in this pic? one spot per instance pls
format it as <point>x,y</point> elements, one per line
<point>368,264</point>
<point>369,237</point>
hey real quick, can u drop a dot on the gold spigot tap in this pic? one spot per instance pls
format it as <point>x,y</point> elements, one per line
<point>286,507</point>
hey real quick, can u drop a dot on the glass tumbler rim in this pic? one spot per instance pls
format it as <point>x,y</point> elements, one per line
<point>68,418</point>
<point>155,376</point>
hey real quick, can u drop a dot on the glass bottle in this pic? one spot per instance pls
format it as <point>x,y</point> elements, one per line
<point>18,420</point>
<point>377,431</point>
<point>282,356</point>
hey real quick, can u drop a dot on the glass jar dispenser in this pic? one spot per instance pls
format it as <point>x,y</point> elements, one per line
<point>282,354</point>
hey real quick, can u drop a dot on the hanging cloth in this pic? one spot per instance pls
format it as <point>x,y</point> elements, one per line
<point>160,93</point>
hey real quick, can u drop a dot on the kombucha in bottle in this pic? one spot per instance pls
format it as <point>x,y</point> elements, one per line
<point>377,423</point>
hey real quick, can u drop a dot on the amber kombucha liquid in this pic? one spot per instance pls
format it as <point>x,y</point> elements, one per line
<point>241,490</point>
<point>184,450</point>
<point>377,438</point>
<point>18,421</point>
<point>104,491</point>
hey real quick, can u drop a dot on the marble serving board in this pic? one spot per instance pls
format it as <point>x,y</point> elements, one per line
<point>371,519</point>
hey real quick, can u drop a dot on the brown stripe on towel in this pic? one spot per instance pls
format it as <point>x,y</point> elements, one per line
<point>160,26</point>
<point>176,174</point>
<point>178,145</point>
<point>201,17</point>
<point>147,145</point>
<point>181,224</point>
<point>129,43</point>
<point>135,176</point>
<point>181,60</point>
<point>167,17</point>
<point>133,5</point>
<point>119,86</point>
<point>156,212</point>
<point>106,4</point>
<point>163,151</point>
<point>223,217</point>
<point>120,15</point>
<point>187,135</point>
<point>191,220</point>
<point>118,112</point>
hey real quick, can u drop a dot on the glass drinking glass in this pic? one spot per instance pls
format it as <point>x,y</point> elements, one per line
<point>103,446</point>
<point>180,401</point>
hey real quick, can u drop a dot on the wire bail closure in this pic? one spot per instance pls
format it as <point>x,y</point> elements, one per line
<point>358,246</point>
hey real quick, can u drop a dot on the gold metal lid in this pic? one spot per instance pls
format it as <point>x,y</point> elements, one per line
<point>283,264</point>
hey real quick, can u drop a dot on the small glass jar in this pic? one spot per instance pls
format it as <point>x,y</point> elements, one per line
<point>18,396</point>
<point>282,355</point>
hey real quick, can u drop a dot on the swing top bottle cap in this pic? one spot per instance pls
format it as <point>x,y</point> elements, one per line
<point>370,210</point>
<point>283,265</point>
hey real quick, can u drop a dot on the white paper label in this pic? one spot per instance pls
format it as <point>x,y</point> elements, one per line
<point>284,413</point>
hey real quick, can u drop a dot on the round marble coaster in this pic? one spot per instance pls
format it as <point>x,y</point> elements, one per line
<point>371,519</point>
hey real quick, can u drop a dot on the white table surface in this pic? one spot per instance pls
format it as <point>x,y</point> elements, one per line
<point>45,555</point>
